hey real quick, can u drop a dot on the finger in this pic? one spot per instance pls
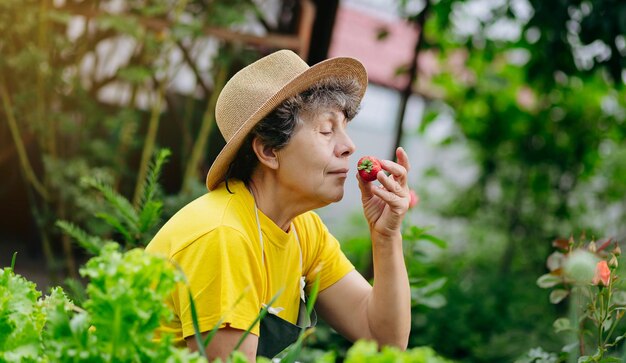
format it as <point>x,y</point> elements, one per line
<point>392,185</point>
<point>393,200</point>
<point>398,171</point>
<point>366,188</point>
<point>403,158</point>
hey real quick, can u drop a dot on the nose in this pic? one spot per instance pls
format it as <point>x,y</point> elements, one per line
<point>345,146</point>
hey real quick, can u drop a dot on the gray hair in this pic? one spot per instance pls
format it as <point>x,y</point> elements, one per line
<point>276,129</point>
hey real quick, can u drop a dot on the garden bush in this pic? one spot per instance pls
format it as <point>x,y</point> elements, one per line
<point>116,323</point>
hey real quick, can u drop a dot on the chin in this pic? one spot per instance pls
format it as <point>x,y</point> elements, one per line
<point>329,198</point>
<point>336,197</point>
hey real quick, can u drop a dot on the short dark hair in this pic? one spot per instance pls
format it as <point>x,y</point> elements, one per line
<point>276,129</point>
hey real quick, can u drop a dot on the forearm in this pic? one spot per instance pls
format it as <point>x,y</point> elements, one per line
<point>389,303</point>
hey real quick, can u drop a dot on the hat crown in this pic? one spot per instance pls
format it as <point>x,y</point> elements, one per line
<point>250,88</point>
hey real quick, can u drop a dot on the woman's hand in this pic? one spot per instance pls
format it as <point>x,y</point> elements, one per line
<point>386,205</point>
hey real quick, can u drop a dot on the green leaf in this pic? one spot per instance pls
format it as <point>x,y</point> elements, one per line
<point>313,294</point>
<point>13,259</point>
<point>117,225</point>
<point>151,183</point>
<point>611,360</point>
<point>258,318</point>
<point>21,318</point>
<point>238,357</point>
<point>562,324</point>
<point>196,325</point>
<point>556,296</point>
<point>149,216</point>
<point>91,244</point>
<point>117,201</point>
<point>432,286</point>
<point>548,280</point>
<point>434,301</point>
<point>436,241</point>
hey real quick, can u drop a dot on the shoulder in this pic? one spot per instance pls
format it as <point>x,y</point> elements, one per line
<point>220,242</point>
<point>211,216</point>
<point>312,232</point>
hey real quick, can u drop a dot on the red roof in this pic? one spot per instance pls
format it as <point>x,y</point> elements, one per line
<point>355,35</point>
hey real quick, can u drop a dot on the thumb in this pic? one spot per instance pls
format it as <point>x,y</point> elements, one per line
<point>365,187</point>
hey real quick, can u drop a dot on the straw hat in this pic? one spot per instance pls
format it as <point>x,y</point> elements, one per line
<point>259,88</point>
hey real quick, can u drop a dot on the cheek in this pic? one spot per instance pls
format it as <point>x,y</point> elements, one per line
<point>311,160</point>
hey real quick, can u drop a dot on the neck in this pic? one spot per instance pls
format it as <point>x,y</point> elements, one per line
<point>276,202</point>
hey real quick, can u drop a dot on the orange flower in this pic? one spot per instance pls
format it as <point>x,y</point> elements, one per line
<point>603,274</point>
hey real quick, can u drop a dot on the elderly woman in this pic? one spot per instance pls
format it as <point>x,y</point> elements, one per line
<point>255,236</point>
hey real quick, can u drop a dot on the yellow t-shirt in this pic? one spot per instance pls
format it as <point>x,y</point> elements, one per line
<point>215,241</point>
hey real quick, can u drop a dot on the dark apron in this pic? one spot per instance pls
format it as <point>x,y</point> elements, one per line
<point>276,333</point>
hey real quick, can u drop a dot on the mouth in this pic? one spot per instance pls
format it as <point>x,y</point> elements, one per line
<point>340,172</point>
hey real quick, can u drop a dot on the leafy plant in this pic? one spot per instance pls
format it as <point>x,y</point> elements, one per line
<point>21,318</point>
<point>135,225</point>
<point>364,351</point>
<point>116,324</point>
<point>586,273</point>
<point>426,281</point>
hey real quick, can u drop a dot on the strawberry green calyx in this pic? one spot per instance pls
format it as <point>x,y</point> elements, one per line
<point>366,165</point>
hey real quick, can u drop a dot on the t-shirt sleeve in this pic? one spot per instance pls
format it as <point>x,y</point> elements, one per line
<point>327,259</point>
<point>223,272</point>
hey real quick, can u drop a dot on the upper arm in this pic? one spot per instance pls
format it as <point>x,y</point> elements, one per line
<point>343,306</point>
<point>224,342</point>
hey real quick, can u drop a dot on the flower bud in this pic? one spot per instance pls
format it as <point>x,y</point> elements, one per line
<point>602,274</point>
<point>613,261</point>
<point>592,247</point>
<point>617,251</point>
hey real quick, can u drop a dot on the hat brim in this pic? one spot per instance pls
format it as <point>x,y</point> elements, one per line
<point>340,67</point>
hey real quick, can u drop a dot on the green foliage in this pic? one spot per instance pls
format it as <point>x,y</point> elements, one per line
<point>124,306</point>
<point>426,281</point>
<point>538,355</point>
<point>21,319</point>
<point>364,351</point>
<point>586,274</point>
<point>91,244</point>
<point>543,127</point>
<point>135,225</point>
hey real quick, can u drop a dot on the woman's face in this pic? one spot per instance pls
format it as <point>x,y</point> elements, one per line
<point>314,165</point>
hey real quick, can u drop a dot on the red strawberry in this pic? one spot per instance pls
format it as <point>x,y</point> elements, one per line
<point>413,198</point>
<point>368,167</point>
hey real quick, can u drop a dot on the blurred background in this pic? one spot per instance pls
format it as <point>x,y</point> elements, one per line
<point>512,111</point>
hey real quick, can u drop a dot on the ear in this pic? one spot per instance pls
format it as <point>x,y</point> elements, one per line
<point>266,154</point>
